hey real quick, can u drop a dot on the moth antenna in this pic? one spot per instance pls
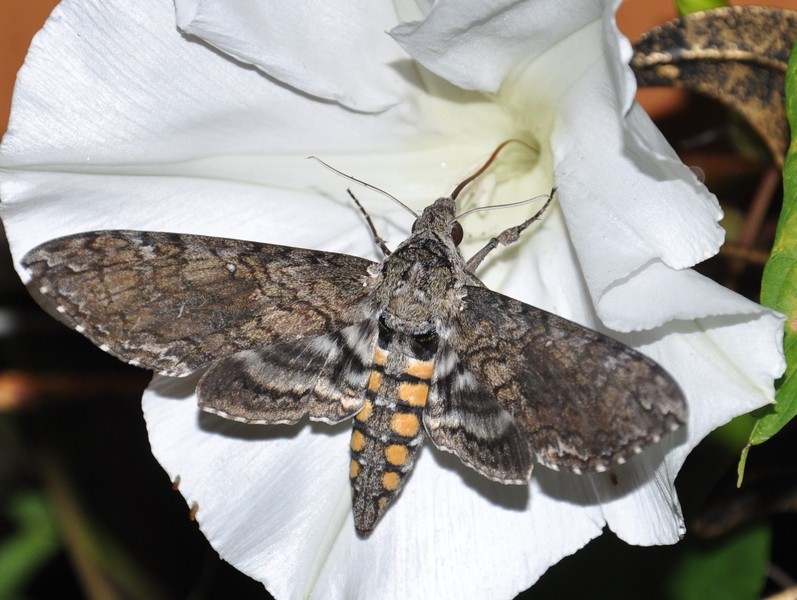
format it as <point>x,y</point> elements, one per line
<point>368,185</point>
<point>487,164</point>
<point>377,238</point>
<point>507,205</point>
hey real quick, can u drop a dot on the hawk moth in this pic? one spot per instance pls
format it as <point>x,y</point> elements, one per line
<point>410,347</point>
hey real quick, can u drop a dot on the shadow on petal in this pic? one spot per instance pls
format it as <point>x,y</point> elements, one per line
<point>512,497</point>
<point>215,424</point>
<point>619,481</point>
<point>175,388</point>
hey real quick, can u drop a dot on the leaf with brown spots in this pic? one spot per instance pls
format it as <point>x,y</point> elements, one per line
<point>736,55</point>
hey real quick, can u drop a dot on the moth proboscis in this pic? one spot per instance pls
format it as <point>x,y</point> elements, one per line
<point>412,346</point>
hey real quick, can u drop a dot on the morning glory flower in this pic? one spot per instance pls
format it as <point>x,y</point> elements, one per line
<point>197,118</point>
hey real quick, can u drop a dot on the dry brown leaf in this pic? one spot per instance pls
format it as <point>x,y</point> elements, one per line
<point>736,55</point>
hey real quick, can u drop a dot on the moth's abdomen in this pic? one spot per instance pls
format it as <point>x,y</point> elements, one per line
<point>388,431</point>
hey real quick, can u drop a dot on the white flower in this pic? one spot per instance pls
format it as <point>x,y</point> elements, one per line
<point>124,119</point>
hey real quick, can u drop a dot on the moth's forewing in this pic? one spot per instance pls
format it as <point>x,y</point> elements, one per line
<point>175,303</point>
<point>584,401</point>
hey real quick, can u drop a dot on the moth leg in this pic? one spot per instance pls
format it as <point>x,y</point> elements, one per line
<point>377,238</point>
<point>506,237</point>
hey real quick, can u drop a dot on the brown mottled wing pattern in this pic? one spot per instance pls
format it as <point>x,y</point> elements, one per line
<point>584,401</point>
<point>175,303</point>
<point>737,55</point>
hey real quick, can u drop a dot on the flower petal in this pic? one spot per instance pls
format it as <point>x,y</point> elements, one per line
<point>475,45</point>
<point>726,367</point>
<point>127,88</point>
<point>657,294</point>
<point>313,55</point>
<point>610,189</point>
<point>641,506</point>
<point>274,501</point>
<point>42,206</point>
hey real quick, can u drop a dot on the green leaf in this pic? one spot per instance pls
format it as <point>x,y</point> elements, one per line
<point>686,7</point>
<point>35,540</point>
<point>734,569</point>
<point>779,285</point>
<point>741,466</point>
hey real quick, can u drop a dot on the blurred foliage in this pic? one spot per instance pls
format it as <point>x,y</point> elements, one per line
<point>734,569</point>
<point>32,542</point>
<point>686,7</point>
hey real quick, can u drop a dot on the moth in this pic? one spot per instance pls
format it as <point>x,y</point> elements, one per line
<point>410,347</point>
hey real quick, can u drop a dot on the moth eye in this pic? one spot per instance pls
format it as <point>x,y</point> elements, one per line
<point>457,233</point>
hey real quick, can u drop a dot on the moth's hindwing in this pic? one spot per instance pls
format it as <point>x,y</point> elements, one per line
<point>583,401</point>
<point>175,303</point>
<point>324,377</point>
<point>464,417</point>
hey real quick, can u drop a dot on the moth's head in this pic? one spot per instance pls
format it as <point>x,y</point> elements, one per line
<point>439,220</point>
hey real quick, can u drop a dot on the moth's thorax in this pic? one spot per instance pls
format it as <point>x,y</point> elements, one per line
<point>422,280</point>
<point>388,432</point>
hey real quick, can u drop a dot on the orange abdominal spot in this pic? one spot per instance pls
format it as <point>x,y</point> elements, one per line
<point>405,424</point>
<point>380,357</point>
<point>390,481</point>
<point>366,411</point>
<point>414,394</point>
<point>375,381</point>
<point>421,369</point>
<point>357,441</point>
<point>396,454</point>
